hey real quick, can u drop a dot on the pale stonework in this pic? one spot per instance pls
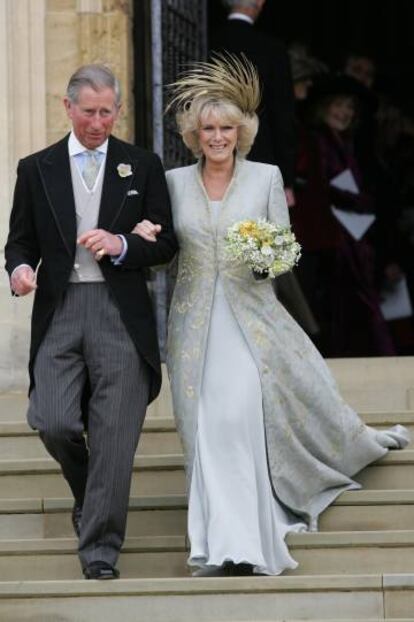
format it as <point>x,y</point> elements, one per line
<point>88,31</point>
<point>41,44</point>
<point>22,130</point>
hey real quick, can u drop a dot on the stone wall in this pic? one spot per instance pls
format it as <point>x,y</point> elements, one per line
<point>87,31</point>
<point>41,43</point>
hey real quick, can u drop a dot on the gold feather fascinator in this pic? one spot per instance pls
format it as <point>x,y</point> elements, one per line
<point>225,77</point>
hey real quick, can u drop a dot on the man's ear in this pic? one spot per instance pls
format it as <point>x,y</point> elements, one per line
<point>68,106</point>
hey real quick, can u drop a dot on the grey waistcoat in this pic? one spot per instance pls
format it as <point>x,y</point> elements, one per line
<point>86,269</point>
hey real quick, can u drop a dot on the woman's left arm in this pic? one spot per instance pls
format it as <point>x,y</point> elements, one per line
<point>277,209</point>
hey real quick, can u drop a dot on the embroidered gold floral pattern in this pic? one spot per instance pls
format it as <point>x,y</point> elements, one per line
<point>315,441</point>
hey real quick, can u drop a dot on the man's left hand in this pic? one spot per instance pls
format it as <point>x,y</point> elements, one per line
<point>101,242</point>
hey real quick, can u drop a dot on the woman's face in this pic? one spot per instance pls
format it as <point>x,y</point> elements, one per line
<point>218,138</point>
<point>340,113</point>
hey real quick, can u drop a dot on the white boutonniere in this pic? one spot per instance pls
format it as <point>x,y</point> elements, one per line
<point>124,170</point>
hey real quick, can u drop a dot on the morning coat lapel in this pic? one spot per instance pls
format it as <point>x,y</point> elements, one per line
<point>54,169</point>
<point>115,187</point>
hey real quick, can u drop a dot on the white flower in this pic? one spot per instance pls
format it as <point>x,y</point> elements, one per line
<point>124,170</point>
<point>263,246</point>
<point>266,250</point>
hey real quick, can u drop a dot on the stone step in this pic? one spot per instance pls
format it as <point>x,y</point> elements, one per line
<point>360,510</point>
<point>165,556</point>
<point>163,474</point>
<point>51,518</point>
<point>356,598</point>
<point>33,466</point>
<point>380,419</point>
<point>344,552</point>
<point>151,424</point>
<point>46,559</point>
<point>17,443</point>
<point>13,406</point>
<point>363,510</point>
<point>158,477</point>
<point>394,471</point>
<point>368,384</point>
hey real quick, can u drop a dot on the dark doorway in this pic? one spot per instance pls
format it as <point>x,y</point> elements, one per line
<point>331,29</point>
<point>142,73</point>
<point>167,35</point>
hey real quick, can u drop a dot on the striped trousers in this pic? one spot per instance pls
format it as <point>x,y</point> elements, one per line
<point>87,343</point>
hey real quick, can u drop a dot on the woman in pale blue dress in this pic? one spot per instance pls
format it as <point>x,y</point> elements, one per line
<point>268,441</point>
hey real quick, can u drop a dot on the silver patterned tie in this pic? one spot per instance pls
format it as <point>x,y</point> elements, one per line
<point>91,168</point>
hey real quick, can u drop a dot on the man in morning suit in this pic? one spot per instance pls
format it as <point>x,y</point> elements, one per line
<point>276,138</point>
<point>93,332</point>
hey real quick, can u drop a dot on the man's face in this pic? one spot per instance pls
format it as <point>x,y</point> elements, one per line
<point>93,115</point>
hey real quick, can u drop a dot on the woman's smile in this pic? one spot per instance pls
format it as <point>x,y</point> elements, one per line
<point>218,139</point>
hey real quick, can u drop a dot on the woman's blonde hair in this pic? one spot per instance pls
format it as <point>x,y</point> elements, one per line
<point>190,120</point>
<point>229,87</point>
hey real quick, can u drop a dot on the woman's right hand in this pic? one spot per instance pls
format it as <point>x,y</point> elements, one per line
<point>147,230</point>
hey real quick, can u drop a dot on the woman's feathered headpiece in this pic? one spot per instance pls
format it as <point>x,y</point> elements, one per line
<point>226,76</point>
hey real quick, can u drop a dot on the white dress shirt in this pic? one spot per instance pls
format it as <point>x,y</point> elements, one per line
<point>78,152</point>
<point>242,16</point>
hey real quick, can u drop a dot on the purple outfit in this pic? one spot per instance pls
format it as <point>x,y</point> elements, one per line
<point>358,326</point>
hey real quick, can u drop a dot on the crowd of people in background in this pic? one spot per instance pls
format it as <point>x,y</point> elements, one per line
<point>346,153</point>
<point>354,208</point>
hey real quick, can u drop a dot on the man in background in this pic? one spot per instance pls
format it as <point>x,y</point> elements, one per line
<point>275,141</point>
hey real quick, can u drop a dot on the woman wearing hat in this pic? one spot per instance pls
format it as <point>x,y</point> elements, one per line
<point>267,439</point>
<point>357,324</point>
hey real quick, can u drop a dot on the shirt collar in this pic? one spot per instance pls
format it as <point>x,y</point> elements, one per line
<point>241,16</point>
<point>75,147</point>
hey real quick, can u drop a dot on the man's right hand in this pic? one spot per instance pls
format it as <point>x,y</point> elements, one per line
<point>23,280</point>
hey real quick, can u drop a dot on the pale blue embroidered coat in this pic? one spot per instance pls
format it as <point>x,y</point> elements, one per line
<point>315,440</point>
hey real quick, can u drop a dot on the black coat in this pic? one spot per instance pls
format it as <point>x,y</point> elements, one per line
<point>275,141</point>
<point>43,228</point>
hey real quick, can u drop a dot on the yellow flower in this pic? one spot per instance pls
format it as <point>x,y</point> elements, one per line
<point>248,228</point>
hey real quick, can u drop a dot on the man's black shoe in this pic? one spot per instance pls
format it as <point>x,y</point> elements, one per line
<point>76,518</point>
<point>100,571</point>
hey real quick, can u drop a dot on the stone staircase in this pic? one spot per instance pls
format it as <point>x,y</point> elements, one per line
<point>359,566</point>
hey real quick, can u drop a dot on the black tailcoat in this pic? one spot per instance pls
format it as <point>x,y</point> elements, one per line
<point>43,229</point>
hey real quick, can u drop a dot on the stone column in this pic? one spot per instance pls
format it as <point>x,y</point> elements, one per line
<point>22,131</point>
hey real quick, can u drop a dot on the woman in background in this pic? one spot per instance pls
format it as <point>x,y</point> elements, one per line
<point>358,327</point>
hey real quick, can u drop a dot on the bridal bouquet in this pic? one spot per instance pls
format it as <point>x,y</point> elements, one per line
<point>268,249</point>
